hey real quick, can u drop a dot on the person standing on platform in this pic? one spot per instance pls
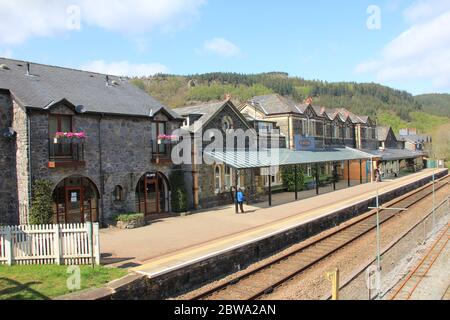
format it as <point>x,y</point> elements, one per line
<point>240,198</point>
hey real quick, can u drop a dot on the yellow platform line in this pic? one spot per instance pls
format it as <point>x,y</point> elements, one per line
<point>177,260</point>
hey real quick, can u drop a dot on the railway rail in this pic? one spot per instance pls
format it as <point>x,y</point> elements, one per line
<point>410,284</point>
<point>266,278</point>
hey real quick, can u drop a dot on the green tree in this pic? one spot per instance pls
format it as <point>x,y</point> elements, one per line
<point>42,203</point>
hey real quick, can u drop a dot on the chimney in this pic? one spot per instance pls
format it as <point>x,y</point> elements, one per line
<point>309,101</point>
<point>28,69</point>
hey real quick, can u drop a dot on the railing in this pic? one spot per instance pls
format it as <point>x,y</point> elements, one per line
<point>66,151</point>
<point>158,156</point>
<point>69,244</point>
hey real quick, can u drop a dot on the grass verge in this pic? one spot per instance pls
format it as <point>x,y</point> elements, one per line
<point>49,281</point>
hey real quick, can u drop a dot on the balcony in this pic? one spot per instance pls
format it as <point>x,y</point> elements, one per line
<point>162,152</point>
<point>65,153</point>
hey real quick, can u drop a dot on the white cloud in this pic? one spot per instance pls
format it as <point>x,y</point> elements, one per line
<point>422,52</point>
<point>6,53</point>
<point>222,47</point>
<point>22,19</point>
<point>124,68</point>
<point>425,9</point>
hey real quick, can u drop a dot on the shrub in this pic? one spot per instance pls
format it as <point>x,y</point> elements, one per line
<point>128,217</point>
<point>288,175</point>
<point>42,203</point>
<point>179,194</point>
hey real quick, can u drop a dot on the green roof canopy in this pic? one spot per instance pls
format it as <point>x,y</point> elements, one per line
<point>241,159</point>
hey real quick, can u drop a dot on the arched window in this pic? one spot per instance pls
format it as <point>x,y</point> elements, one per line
<point>118,193</point>
<point>227,123</point>
<point>218,179</point>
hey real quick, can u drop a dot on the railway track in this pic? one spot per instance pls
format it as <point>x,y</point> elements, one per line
<point>407,288</point>
<point>266,278</point>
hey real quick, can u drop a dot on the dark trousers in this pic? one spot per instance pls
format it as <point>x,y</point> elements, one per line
<point>241,206</point>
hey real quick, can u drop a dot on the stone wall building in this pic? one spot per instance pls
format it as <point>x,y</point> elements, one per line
<point>122,165</point>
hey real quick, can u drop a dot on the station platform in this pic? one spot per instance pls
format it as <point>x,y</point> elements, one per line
<point>173,243</point>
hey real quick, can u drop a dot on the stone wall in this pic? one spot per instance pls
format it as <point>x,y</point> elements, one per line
<point>117,153</point>
<point>8,185</point>
<point>22,149</point>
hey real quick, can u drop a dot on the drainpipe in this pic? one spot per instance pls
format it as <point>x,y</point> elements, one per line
<point>102,183</point>
<point>194,177</point>
<point>30,173</point>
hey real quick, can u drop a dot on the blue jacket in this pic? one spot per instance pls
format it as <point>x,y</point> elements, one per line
<point>240,197</point>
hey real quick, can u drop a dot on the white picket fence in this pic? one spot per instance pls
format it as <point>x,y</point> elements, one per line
<point>68,244</point>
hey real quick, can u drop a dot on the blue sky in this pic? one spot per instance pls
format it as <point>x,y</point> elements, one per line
<point>322,39</point>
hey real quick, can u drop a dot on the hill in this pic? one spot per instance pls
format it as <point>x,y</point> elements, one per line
<point>436,104</point>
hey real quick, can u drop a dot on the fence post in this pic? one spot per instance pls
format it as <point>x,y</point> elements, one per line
<point>97,243</point>
<point>9,249</point>
<point>57,244</point>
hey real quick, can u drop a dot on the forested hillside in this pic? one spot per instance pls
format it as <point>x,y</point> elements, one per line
<point>368,98</point>
<point>437,104</point>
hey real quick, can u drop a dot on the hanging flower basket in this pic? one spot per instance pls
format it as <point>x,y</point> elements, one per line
<point>68,137</point>
<point>167,139</point>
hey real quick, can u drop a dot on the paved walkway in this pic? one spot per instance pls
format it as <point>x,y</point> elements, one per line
<point>173,242</point>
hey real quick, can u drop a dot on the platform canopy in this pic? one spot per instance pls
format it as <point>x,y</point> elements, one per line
<point>243,159</point>
<point>395,154</point>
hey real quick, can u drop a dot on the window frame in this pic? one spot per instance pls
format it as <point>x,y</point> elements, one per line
<point>58,152</point>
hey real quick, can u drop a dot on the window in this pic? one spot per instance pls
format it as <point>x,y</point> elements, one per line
<point>218,179</point>
<point>118,193</point>
<point>227,123</point>
<point>228,177</point>
<point>264,126</point>
<point>60,123</point>
<point>157,129</point>
<point>319,128</point>
<point>312,128</point>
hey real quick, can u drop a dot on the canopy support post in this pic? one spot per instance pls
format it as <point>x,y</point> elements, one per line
<point>236,190</point>
<point>334,175</point>
<point>270,188</point>
<point>360,172</point>
<point>348,173</point>
<point>317,179</point>
<point>296,182</point>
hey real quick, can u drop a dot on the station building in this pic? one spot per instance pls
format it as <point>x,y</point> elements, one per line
<point>105,146</point>
<point>109,160</point>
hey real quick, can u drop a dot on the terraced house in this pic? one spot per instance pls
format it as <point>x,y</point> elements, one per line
<point>314,128</point>
<point>97,138</point>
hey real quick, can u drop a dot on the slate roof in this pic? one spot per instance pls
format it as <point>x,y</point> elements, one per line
<point>207,111</point>
<point>276,104</point>
<point>382,133</point>
<point>395,154</point>
<point>49,84</point>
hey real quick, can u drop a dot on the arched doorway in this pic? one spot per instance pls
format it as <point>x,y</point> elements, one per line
<point>75,201</point>
<point>152,194</point>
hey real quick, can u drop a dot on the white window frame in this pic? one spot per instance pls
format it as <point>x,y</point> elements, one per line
<point>218,176</point>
